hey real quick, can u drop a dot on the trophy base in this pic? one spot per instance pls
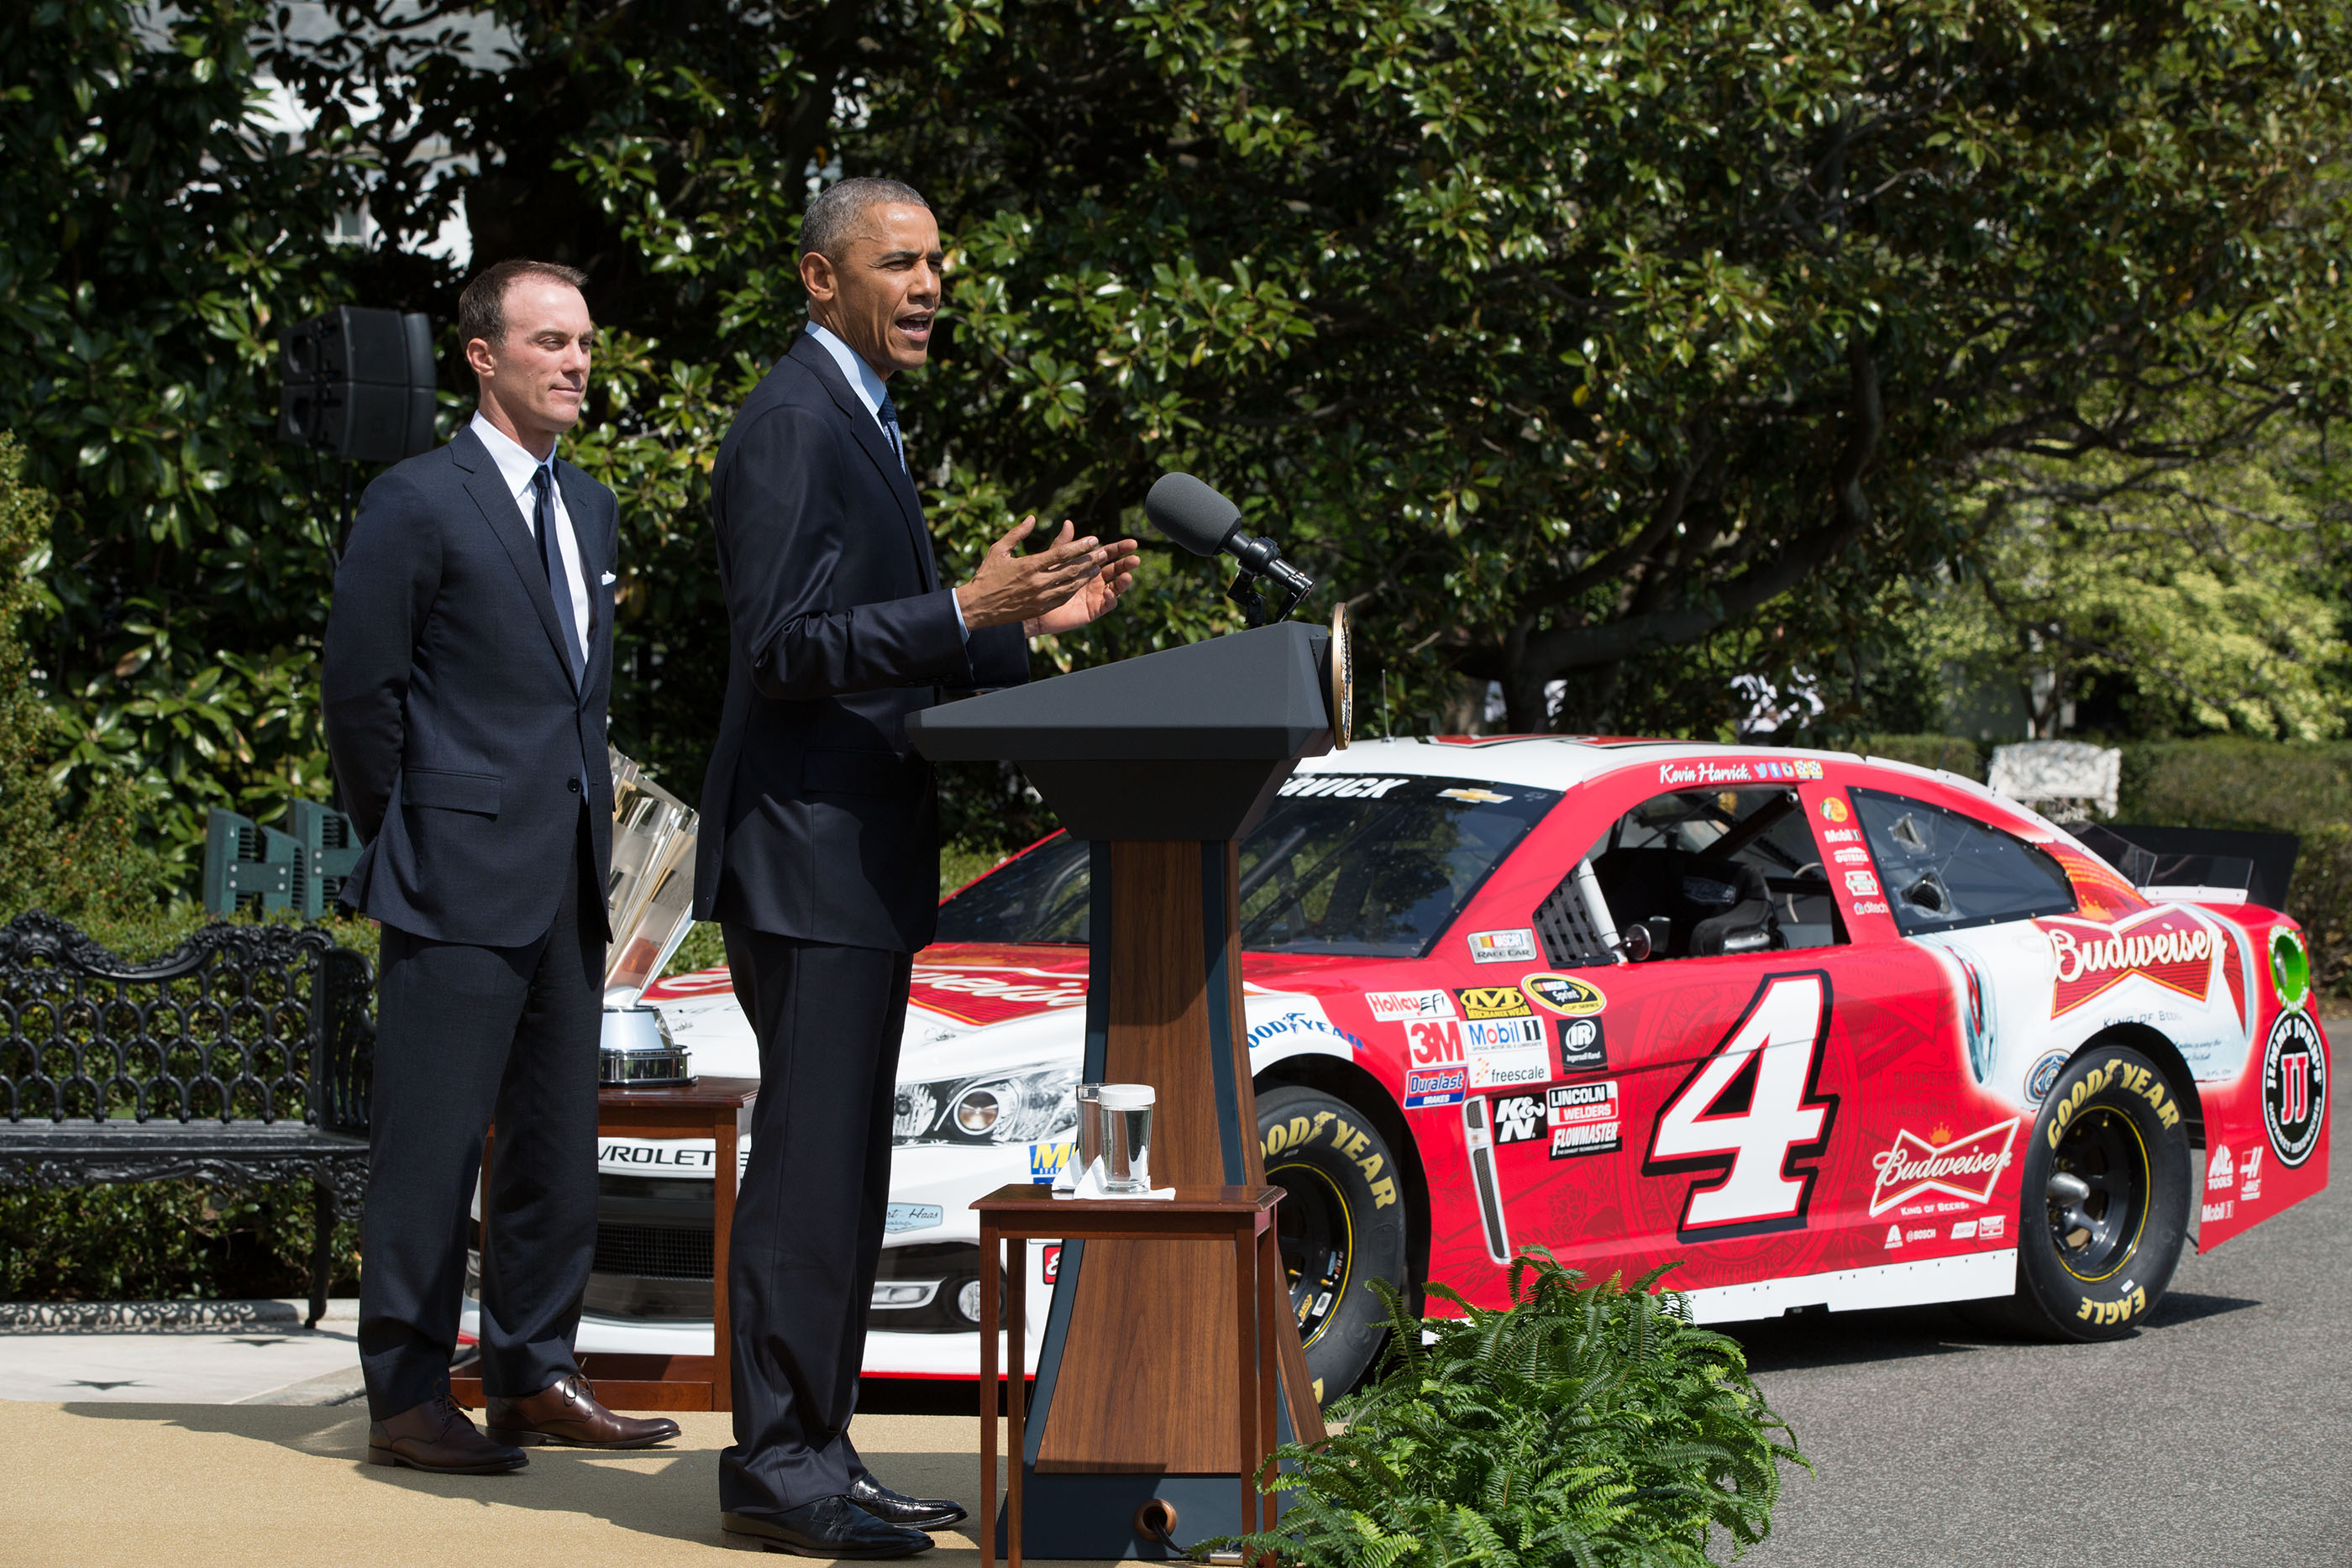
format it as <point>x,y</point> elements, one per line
<point>638,1053</point>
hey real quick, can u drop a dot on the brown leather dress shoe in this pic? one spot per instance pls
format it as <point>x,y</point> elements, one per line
<point>438,1436</point>
<point>566,1412</point>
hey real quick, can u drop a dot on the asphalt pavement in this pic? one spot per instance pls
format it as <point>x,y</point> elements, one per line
<point>2220,1432</point>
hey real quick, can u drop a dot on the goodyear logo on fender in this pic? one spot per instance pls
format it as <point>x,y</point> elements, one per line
<point>1493,1003</point>
<point>1565,993</point>
<point>2170,946</point>
<point>1046,1160</point>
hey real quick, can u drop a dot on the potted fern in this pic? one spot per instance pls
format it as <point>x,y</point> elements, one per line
<point>1585,1425</point>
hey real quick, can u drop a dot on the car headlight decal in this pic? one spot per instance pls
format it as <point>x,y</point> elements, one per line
<point>992,1108</point>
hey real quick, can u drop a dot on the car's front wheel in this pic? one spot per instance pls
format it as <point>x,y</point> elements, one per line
<point>2108,1181</point>
<point>1341,1224</point>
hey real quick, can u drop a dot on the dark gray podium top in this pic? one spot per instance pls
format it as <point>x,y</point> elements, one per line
<point>1187,743</point>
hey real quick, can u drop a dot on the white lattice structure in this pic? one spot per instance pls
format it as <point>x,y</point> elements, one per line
<point>2062,780</point>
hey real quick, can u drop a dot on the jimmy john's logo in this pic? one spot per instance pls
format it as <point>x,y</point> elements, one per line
<point>2168,947</point>
<point>1493,1003</point>
<point>1564,994</point>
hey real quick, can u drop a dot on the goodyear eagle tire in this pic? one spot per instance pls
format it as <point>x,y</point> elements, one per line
<point>1342,1225</point>
<point>2108,1184</point>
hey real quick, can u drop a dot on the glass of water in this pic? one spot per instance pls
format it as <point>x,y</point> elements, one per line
<point>1127,1137</point>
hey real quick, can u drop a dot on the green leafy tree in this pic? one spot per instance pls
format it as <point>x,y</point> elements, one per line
<point>1586,1424</point>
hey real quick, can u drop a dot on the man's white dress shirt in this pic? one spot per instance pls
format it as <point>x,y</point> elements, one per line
<point>516,467</point>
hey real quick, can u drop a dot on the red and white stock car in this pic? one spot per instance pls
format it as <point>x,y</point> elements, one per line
<point>1819,1031</point>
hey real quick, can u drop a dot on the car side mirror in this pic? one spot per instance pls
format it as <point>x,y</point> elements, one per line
<point>1634,943</point>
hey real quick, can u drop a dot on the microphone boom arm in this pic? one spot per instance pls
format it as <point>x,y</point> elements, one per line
<point>1262,563</point>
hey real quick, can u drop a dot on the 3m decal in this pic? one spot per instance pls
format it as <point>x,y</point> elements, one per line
<point>1519,1118</point>
<point>1403,1007</point>
<point>1493,1003</point>
<point>1750,1113</point>
<point>1583,1046</point>
<point>1958,1167</point>
<point>1564,994</point>
<point>2295,1087</point>
<point>1502,947</point>
<point>1583,1119</point>
<point>1330,1128</point>
<point>2167,945</point>
<point>1833,811</point>
<point>1439,1039</point>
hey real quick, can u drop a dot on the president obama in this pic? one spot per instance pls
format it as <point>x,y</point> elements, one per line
<point>819,854</point>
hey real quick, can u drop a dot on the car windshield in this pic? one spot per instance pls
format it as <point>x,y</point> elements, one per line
<point>1343,863</point>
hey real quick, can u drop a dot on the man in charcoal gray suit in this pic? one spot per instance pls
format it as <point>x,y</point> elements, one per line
<point>469,652</point>
<point>819,853</point>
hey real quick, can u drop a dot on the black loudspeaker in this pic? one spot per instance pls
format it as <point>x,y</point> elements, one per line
<point>358,383</point>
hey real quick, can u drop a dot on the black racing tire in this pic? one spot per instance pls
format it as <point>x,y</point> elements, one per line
<point>1342,1225</point>
<point>2108,1180</point>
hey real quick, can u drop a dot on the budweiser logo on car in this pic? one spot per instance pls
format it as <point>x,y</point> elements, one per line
<point>2170,946</point>
<point>986,996</point>
<point>1958,1168</point>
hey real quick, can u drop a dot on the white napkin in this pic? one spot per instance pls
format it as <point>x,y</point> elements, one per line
<point>1091,1186</point>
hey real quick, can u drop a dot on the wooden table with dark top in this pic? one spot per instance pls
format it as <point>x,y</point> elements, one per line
<point>1024,1212</point>
<point>720,1109</point>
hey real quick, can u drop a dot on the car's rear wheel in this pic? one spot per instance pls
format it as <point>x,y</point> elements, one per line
<point>1341,1224</point>
<point>2108,1184</point>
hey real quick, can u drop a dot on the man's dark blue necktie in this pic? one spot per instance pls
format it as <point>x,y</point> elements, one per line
<point>888,414</point>
<point>551,558</point>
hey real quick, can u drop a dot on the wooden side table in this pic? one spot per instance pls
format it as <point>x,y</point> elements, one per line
<point>1024,1212</point>
<point>720,1109</point>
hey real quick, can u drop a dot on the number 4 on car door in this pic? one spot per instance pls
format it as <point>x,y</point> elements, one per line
<point>1749,1113</point>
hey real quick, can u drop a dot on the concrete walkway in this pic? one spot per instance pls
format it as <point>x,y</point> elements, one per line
<point>273,1361</point>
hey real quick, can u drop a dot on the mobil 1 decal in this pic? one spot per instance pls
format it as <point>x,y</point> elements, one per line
<point>2295,1087</point>
<point>1748,1113</point>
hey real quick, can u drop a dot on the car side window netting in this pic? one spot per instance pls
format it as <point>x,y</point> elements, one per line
<point>1574,923</point>
<point>1706,872</point>
<point>1943,871</point>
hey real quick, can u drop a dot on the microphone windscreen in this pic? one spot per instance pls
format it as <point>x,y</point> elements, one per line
<point>1191,514</point>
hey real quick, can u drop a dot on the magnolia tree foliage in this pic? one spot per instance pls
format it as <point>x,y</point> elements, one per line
<point>1614,348</point>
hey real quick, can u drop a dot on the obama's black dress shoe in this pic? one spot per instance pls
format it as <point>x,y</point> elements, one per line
<point>898,1507</point>
<point>829,1527</point>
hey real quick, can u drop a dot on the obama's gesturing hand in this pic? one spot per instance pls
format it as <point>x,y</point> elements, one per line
<point>1072,582</point>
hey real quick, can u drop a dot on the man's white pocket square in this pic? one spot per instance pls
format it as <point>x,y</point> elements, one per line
<point>607,579</point>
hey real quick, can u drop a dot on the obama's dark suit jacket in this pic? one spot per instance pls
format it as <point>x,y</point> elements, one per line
<point>819,821</point>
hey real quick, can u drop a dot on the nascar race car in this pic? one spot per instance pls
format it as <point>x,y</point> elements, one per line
<point>1820,1030</point>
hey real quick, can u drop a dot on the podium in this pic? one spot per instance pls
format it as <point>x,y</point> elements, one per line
<point>1161,763</point>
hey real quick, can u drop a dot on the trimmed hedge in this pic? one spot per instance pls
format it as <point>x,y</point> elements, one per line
<point>1953,753</point>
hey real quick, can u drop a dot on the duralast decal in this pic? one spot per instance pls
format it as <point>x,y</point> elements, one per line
<point>1564,994</point>
<point>2168,946</point>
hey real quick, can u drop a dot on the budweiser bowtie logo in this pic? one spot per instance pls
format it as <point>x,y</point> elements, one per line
<point>1959,1167</point>
<point>2170,947</point>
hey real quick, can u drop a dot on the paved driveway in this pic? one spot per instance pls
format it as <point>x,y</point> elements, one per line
<point>2221,1432</point>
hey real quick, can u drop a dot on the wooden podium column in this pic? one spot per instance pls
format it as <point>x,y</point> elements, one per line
<point>1131,1381</point>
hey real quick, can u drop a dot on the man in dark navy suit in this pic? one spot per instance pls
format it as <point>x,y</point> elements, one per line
<point>468,654</point>
<point>819,853</point>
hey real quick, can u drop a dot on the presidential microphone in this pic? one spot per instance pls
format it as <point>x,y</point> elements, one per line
<point>1195,517</point>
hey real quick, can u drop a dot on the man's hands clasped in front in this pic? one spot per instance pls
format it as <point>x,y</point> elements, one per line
<point>1070,583</point>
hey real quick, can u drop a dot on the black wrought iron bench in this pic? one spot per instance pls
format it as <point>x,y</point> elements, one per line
<point>241,1057</point>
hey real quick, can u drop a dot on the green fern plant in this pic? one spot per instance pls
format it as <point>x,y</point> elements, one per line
<point>1593,1426</point>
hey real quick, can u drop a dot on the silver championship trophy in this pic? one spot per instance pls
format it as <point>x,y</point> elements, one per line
<point>651,895</point>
